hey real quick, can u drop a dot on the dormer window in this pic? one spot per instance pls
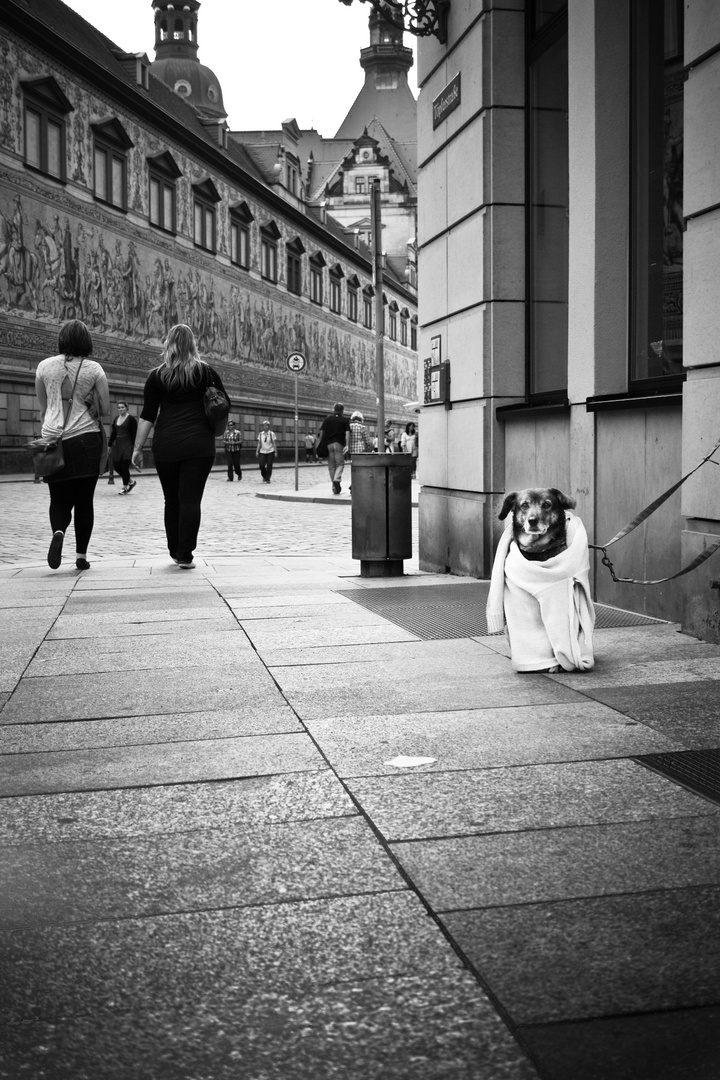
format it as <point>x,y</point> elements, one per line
<point>360,185</point>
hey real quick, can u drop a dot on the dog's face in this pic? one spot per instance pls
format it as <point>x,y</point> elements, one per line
<point>538,520</point>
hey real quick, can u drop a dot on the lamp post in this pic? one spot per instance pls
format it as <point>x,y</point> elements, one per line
<point>376,228</point>
<point>419,17</point>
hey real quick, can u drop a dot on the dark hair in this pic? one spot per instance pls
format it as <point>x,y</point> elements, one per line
<point>408,426</point>
<point>121,402</point>
<point>339,407</point>
<point>74,339</point>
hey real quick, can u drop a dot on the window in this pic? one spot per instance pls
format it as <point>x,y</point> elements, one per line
<point>163,174</point>
<point>294,251</point>
<point>352,298</point>
<point>404,316</point>
<point>368,303</point>
<point>205,198</point>
<point>269,236</point>
<point>392,321</point>
<point>360,185</point>
<point>317,263</point>
<point>336,276</point>
<point>240,218</point>
<point>110,147</point>
<point>657,223</point>
<point>547,209</point>
<point>292,176</point>
<point>413,333</point>
<point>45,112</point>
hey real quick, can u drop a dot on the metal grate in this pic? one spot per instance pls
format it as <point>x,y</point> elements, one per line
<point>697,770</point>
<point>457,611</point>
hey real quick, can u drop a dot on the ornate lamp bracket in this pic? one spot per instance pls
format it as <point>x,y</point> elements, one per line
<point>419,17</point>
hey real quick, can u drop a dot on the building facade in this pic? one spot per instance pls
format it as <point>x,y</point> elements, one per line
<point>124,202</point>
<point>569,241</point>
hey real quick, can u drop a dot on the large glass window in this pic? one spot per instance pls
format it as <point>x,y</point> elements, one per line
<point>205,198</point>
<point>294,252</point>
<point>45,109</point>
<point>548,210</point>
<point>240,219</point>
<point>657,191</point>
<point>163,173</point>
<point>269,236</point>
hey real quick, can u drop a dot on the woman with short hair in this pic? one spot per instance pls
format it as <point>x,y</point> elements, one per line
<point>73,396</point>
<point>183,443</point>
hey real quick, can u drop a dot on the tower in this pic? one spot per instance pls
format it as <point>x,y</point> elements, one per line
<point>176,62</point>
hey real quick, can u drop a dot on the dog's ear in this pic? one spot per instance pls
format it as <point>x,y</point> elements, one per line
<point>564,501</point>
<point>507,505</point>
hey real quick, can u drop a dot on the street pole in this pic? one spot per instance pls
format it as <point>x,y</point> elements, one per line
<point>376,226</point>
<point>296,430</point>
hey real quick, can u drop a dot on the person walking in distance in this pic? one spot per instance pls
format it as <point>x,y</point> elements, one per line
<point>183,444</point>
<point>336,430</point>
<point>265,452</point>
<point>233,445</point>
<point>310,454</point>
<point>67,385</point>
<point>122,441</point>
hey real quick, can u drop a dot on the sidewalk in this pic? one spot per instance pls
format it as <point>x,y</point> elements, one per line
<point>218,866</point>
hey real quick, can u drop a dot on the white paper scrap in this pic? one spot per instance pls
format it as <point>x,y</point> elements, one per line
<point>409,762</point>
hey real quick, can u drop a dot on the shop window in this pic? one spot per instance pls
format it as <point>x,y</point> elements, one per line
<point>657,223</point>
<point>45,110</point>
<point>547,209</point>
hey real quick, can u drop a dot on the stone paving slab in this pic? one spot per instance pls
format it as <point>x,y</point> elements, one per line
<point>563,864</point>
<point>396,653</point>
<point>284,635</point>
<point>174,763</point>
<point>119,601</point>
<point>473,678</point>
<point>136,622</point>
<point>481,738</point>
<point>17,603</point>
<point>621,647</point>
<point>141,693</point>
<point>688,712</point>
<point>408,806</point>
<point>651,673</point>
<point>605,956</point>
<point>680,1045</point>
<point>404,1027</point>
<point>144,812</point>
<point>211,868</point>
<point>222,650</point>
<point>146,730</point>
<point>54,973</point>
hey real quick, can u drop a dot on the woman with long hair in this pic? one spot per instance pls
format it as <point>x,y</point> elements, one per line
<point>122,442</point>
<point>73,397</point>
<point>183,443</point>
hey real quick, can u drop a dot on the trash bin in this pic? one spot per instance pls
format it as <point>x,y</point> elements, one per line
<point>381,513</point>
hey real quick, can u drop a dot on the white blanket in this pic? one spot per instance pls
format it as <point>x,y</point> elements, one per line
<point>547,606</point>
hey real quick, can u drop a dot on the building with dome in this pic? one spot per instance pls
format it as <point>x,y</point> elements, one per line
<point>125,202</point>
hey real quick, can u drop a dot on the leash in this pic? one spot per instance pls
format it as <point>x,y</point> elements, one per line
<point>697,561</point>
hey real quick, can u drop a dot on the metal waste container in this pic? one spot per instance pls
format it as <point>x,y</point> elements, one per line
<point>382,513</point>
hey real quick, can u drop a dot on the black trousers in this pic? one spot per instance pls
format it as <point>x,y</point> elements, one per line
<point>183,484</point>
<point>76,495</point>
<point>233,463</point>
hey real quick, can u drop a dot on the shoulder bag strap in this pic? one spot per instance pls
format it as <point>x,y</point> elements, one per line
<point>72,395</point>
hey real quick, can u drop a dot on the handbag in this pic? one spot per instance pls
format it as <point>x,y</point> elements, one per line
<point>47,451</point>
<point>321,446</point>
<point>217,408</point>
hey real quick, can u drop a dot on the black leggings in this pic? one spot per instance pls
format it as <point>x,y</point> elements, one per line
<point>77,495</point>
<point>122,468</point>
<point>183,483</point>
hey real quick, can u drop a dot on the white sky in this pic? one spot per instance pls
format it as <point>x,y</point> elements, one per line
<point>274,59</point>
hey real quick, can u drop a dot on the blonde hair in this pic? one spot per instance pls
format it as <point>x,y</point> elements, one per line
<point>181,365</point>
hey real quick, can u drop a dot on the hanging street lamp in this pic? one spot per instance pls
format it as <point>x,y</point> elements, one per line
<point>419,17</point>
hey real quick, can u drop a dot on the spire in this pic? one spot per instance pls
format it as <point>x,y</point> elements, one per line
<point>176,60</point>
<point>176,29</point>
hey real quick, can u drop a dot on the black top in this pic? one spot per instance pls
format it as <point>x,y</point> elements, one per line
<point>122,438</point>
<point>335,427</point>
<point>181,428</point>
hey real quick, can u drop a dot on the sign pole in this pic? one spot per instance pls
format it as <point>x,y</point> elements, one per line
<point>296,363</point>
<point>376,226</point>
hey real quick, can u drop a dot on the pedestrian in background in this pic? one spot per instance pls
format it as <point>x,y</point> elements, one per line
<point>409,443</point>
<point>122,441</point>
<point>265,452</point>
<point>232,440</point>
<point>183,444</point>
<point>336,431</point>
<point>68,386</point>
<point>389,439</point>
<point>359,441</point>
<point>310,454</point>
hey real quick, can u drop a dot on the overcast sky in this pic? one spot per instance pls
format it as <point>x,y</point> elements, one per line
<point>274,59</point>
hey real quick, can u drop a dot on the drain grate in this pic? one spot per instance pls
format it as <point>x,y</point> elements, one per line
<point>698,770</point>
<point>457,611</point>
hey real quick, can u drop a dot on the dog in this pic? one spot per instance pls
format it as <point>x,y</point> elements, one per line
<point>539,526</point>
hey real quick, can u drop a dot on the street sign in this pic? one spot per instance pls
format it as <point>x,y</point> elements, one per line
<point>296,361</point>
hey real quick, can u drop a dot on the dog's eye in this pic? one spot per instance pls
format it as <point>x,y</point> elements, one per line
<point>525,506</point>
<point>547,505</point>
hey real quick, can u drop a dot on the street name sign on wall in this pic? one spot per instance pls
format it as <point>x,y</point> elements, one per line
<point>446,101</point>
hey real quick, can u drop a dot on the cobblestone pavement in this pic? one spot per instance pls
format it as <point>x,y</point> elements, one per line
<point>235,522</point>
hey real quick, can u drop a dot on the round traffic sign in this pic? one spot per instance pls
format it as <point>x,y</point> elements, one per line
<point>296,361</point>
